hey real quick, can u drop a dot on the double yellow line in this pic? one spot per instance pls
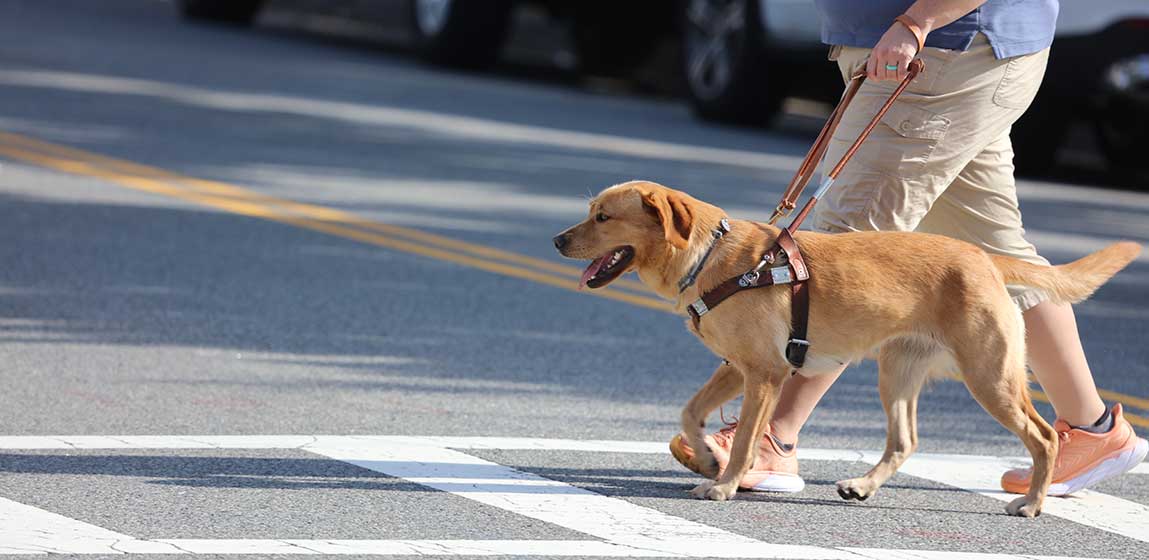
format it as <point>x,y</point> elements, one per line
<point>237,200</point>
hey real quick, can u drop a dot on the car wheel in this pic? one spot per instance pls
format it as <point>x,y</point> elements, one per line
<point>458,32</point>
<point>239,12</point>
<point>724,52</point>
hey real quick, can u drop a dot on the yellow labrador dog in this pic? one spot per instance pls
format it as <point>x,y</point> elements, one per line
<point>926,304</point>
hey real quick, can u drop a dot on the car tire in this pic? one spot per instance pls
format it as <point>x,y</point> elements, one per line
<point>236,12</point>
<point>723,48</point>
<point>460,33</point>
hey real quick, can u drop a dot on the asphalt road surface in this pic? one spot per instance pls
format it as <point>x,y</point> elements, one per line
<point>211,233</point>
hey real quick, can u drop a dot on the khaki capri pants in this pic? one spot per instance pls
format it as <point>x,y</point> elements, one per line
<point>941,160</point>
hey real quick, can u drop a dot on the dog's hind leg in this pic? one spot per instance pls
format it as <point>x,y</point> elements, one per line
<point>759,397</point>
<point>904,365</point>
<point>993,366</point>
<point>1008,401</point>
<point>723,385</point>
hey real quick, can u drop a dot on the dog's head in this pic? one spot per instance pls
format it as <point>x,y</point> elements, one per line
<point>628,225</point>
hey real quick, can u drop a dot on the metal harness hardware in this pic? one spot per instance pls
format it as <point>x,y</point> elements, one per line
<point>794,271</point>
<point>688,280</point>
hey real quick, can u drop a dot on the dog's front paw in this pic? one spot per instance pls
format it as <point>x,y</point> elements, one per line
<point>856,489</point>
<point>1022,508</point>
<point>711,490</point>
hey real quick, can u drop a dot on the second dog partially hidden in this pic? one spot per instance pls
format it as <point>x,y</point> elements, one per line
<point>925,304</point>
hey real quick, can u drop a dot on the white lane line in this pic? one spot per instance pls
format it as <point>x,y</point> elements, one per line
<point>969,472</point>
<point>628,530</point>
<point>427,121</point>
<point>407,547</point>
<point>452,442</point>
<point>155,442</point>
<point>547,548</point>
<point>30,530</point>
<point>615,521</point>
<point>983,474</point>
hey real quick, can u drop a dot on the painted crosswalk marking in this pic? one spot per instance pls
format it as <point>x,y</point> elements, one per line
<point>623,529</point>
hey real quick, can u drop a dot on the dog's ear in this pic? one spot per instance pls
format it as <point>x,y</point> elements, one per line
<point>673,211</point>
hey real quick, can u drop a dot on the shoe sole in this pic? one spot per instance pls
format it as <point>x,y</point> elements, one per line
<point>1109,468</point>
<point>786,483</point>
<point>772,483</point>
<point>680,455</point>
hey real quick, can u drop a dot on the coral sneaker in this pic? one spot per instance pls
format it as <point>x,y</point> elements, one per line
<point>1085,458</point>
<point>774,470</point>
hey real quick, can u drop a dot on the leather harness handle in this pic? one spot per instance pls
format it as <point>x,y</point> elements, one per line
<point>814,156</point>
<point>915,68</point>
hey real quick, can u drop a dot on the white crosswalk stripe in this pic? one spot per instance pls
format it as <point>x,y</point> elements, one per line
<point>623,529</point>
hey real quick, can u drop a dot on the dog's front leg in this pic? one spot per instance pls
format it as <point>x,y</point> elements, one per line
<point>724,384</point>
<point>759,396</point>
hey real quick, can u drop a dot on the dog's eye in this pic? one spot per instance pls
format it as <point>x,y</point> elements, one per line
<point>600,217</point>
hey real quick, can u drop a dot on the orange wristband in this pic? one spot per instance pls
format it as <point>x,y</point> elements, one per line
<point>914,28</point>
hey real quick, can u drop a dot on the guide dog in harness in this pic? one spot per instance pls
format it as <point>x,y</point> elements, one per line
<point>924,304</point>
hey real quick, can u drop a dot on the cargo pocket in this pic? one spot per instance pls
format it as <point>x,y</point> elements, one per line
<point>906,191</point>
<point>917,132</point>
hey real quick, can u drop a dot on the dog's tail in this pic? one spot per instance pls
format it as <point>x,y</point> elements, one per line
<point>1073,282</point>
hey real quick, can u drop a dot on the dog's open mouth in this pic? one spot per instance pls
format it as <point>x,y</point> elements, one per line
<point>606,268</point>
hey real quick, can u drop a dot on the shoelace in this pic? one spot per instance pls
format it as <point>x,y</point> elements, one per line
<point>725,434</point>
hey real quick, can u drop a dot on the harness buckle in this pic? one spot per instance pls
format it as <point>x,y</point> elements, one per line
<point>781,275</point>
<point>749,279</point>
<point>781,211</point>
<point>699,307</point>
<point>796,351</point>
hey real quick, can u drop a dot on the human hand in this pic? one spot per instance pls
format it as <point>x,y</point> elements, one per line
<point>896,48</point>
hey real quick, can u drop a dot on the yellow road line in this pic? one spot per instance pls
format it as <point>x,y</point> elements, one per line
<point>245,206</point>
<point>336,222</point>
<point>304,209</point>
<point>1126,400</point>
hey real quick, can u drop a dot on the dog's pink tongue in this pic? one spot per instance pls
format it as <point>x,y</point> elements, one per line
<point>592,270</point>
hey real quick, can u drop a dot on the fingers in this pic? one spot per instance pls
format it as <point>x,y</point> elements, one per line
<point>879,67</point>
<point>896,49</point>
<point>902,69</point>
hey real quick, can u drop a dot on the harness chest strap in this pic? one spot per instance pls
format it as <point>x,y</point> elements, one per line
<point>797,346</point>
<point>794,272</point>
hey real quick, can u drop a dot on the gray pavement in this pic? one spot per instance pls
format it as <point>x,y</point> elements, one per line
<point>128,312</point>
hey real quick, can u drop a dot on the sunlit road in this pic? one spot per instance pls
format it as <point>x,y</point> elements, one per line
<point>223,232</point>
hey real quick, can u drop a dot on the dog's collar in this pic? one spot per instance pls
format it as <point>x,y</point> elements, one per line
<point>688,280</point>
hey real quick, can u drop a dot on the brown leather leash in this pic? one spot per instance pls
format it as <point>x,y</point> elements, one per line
<point>789,267</point>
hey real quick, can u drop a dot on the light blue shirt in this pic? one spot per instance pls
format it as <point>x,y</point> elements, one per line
<point>1013,27</point>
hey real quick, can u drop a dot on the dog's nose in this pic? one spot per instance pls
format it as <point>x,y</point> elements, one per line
<point>561,241</point>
